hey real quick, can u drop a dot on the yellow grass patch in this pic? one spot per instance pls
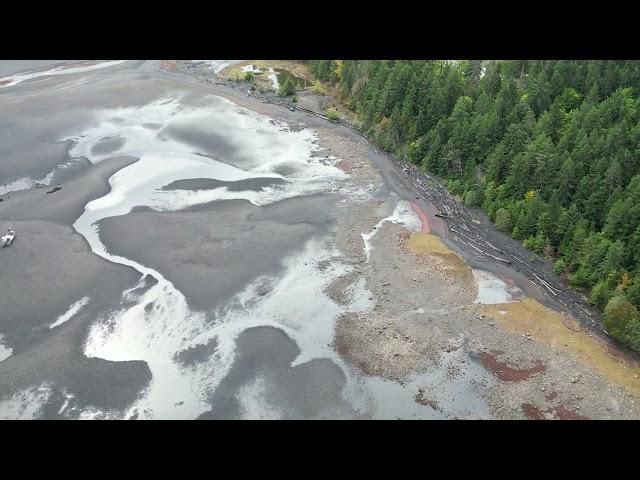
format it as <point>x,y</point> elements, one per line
<point>425,243</point>
<point>564,333</point>
<point>441,257</point>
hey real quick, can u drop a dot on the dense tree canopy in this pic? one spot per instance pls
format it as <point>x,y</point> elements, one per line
<point>550,150</point>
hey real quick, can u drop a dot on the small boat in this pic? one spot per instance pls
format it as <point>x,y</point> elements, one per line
<point>8,238</point>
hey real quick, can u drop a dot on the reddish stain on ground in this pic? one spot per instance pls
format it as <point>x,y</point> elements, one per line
<point>423,217</point>
<point>564,413</point>
<point>345,166</point>
<point>2,82</point>
<point>506,372</point>
<point>531,411</point>
<point>74,65</point>
<point>557,412</point>
<point>560,412</point>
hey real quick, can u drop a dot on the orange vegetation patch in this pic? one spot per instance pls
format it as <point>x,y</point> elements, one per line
<point>431,251</point>
<point>427,244</point>
<point>564,333</point>
<point>506,372</point>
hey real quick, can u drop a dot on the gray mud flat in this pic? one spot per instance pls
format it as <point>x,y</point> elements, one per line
<point>107,145</point>
<point>262,375</point>
<point>253,184</point>
<point>209,252</point>
<point>69,202</point>
<point>51,267</point>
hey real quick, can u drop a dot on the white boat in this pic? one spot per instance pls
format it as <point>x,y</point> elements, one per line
<point>8,239</point>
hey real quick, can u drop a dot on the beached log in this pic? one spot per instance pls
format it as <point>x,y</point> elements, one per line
<point>505,261</point>
<point>545,284</point>
<point>580,307</point>
<point>488,243</point>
